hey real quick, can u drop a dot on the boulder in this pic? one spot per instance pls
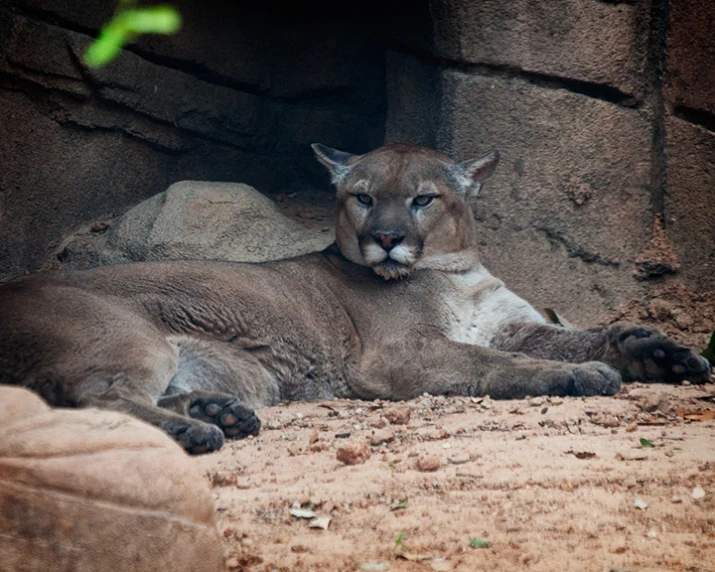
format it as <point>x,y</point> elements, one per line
<point>197,220</point>
<point>98,491</point>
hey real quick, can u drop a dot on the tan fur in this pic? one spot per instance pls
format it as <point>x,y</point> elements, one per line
<point>194,347</point>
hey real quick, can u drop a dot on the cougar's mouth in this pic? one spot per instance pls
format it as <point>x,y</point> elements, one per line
<point>395,263</point>
<point>390,269</point>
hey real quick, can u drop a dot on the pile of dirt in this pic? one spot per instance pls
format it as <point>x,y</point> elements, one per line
<point>456,483</point>
<point>682,313</point>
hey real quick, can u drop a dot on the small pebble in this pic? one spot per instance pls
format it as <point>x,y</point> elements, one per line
<point>353,453</point>
<point>398,414</point>
<point>428,464</point>
<point>381,436</point>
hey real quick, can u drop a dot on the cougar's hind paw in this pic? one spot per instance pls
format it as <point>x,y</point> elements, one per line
<point>234,419</point>
<point>196,438</point>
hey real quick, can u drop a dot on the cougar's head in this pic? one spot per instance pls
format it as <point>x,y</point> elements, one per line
<point>402,207</point>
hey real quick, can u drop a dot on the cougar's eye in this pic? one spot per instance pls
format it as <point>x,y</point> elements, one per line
<point>422,200</point>
<point>364,199</point>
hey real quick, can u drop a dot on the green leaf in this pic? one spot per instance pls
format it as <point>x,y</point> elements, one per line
<point>478,543</point>
<point>125,26</point>
<point>106,47</point>
<point>399,539</point>
<point>709,352</point>
<point>151,20</point>
<point>646,443</point>
<point>401,504</point>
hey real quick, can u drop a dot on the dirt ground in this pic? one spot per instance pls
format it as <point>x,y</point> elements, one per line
<point>546,483</point>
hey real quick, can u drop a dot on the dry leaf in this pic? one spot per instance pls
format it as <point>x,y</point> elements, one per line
<point>582,454</point>
<point>411,557</point>
<point>698,415</point>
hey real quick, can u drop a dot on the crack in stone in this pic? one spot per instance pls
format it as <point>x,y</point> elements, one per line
<point>593,90</point>
<point>698,117</point>
<point>574,250</point>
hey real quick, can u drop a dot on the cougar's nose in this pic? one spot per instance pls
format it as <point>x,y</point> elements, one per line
<point>387,240</point>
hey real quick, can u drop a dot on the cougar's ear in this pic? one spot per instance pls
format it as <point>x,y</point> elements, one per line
<point>336,161</point>
<point>472,173</point>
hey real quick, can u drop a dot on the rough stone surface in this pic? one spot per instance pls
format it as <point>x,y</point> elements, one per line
<point>196,220</point>
<point>690,57</point>
<point>582,96</point>
<point>586,40</point>
<point>237,95</point>
<point>568,210</point>
<point>413,86</point>
<point>97,491</point>
<point>690,200</point>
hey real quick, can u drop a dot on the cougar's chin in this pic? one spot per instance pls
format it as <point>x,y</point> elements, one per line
<point>390,269</point>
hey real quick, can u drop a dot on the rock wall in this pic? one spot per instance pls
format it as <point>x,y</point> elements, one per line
<point>238,95</point>
<point>604,113</point>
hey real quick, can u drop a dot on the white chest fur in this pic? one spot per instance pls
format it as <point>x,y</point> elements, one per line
<point>481,305</point>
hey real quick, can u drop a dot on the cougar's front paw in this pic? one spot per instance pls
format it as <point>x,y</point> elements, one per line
<point>234,419</point>
<point>594,378</point>
<point>196,438</point>
<point>646,354</point>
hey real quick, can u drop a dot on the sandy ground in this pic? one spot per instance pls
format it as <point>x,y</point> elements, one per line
<point>550,484</point>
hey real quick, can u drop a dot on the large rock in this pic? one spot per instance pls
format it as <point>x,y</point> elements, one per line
<point>198,220</point>
<point>97,491</point>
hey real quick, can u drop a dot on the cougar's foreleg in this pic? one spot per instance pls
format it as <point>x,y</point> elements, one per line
<point>639,352</point>
<point>411,364</point>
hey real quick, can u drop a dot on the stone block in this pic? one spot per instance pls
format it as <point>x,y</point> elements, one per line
<point>222,41</point>
<point>690,55</point>
<point>568,210</point>
<point>39,52</point>
<point>175,97</point>
<point>586,40</point>
<point>98,491</point>
<point>690,200</point>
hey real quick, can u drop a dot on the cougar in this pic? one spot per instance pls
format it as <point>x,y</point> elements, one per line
<point>399,306</point>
